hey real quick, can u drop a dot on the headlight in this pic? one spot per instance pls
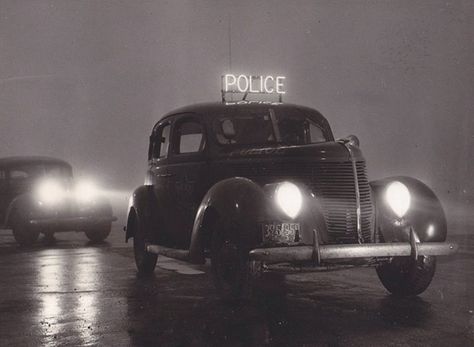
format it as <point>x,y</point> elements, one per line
<point>398,198</point>
<point>86,192</point>
<point>50,192</point>
<point>288,197</point>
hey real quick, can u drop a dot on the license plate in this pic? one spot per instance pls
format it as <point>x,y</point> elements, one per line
<point>281,232</point>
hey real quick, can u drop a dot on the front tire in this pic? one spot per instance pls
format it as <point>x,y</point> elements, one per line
<point>230,267</point>
<point>99,233</point>
<point>23,234</point>
<point>145,261</point>
<point>403,276</point>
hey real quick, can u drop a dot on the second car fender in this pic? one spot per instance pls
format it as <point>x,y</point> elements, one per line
<point>23,204</point>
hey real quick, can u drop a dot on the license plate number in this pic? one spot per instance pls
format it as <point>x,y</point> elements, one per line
<point>281,232</point>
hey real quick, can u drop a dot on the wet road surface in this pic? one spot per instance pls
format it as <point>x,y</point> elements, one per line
<point>71,292</point>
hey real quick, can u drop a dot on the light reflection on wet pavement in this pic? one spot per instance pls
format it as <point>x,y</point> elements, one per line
<point>71,292</point>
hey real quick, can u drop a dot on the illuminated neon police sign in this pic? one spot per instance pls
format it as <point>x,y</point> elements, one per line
<point>248,84</point>
<point>253,84</point>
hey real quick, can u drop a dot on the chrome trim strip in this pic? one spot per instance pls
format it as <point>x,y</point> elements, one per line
<point>357,191</point>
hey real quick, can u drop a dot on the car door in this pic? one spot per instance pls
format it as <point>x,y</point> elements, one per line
<point>159,177</point>
<point>188,171</point>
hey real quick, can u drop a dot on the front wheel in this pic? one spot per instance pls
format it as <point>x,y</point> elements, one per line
<point>145,261</point>
<point>403,276</point>
<point>99,233</point>
<point>230,267</point>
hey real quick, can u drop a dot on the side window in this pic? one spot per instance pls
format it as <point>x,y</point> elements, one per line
<point>316,133</point>
<point>189,137</point>
<point>165,140</point>
<point>161,142</point>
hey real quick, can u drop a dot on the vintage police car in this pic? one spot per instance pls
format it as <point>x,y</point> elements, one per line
<point>38,194</point>
<point>255,186</point>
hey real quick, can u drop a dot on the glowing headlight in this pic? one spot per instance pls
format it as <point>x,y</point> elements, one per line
<point>398,198</point>
<point>85,191</point>
<point>288,197</point>
<point>50,192</point>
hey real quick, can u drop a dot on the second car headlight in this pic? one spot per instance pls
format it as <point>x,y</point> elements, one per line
<point>398,198</point>
<point>85,191</point>
<point>289,199</point>
<point>50,192</point>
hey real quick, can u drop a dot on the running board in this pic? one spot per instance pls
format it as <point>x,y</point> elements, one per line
<point>180,254</point>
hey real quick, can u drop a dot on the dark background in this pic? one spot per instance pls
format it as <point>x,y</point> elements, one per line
<point>86,80</point>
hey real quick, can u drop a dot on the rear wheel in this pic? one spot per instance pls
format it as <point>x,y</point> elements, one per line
<point>22,233</point>
<point>403,276</point>
<point>145,261</point>
<point>100,233</point>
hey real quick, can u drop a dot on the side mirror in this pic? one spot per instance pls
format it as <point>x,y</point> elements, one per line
<point>352,140</point>
<point>228,129</point>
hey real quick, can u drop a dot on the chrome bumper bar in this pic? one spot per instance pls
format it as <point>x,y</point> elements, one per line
<point>369,250</point>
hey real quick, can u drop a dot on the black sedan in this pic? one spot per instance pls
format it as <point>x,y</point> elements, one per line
<point>39,195</point>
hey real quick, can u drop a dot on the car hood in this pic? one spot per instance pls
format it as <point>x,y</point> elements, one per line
<point>327,151</point>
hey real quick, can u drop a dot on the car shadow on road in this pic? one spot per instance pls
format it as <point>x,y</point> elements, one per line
<point>189,313</point>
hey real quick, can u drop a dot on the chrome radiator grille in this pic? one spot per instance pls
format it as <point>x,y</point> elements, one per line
<point>333,184</point>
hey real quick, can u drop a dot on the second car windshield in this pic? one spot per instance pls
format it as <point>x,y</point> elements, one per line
<point>266,128</point>
<point>26,172</point>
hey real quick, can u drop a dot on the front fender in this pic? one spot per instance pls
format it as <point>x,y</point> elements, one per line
<point>23,205</point>
<point>425,215</point>
<point>102,206</point>
<point>237,202</point>
<point>142,204</point>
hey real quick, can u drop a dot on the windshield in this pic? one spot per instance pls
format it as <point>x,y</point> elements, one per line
<point>30,172</point>
<point>267,127</point>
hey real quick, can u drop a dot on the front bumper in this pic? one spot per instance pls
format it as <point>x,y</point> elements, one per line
<point>320,253</point>
<point>71,223</point>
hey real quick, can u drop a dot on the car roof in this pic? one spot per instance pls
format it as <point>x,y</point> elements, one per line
<point>22,160</point>
<point>221,107</point>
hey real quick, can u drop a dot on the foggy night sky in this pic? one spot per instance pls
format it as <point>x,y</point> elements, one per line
<point>86,80</point>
